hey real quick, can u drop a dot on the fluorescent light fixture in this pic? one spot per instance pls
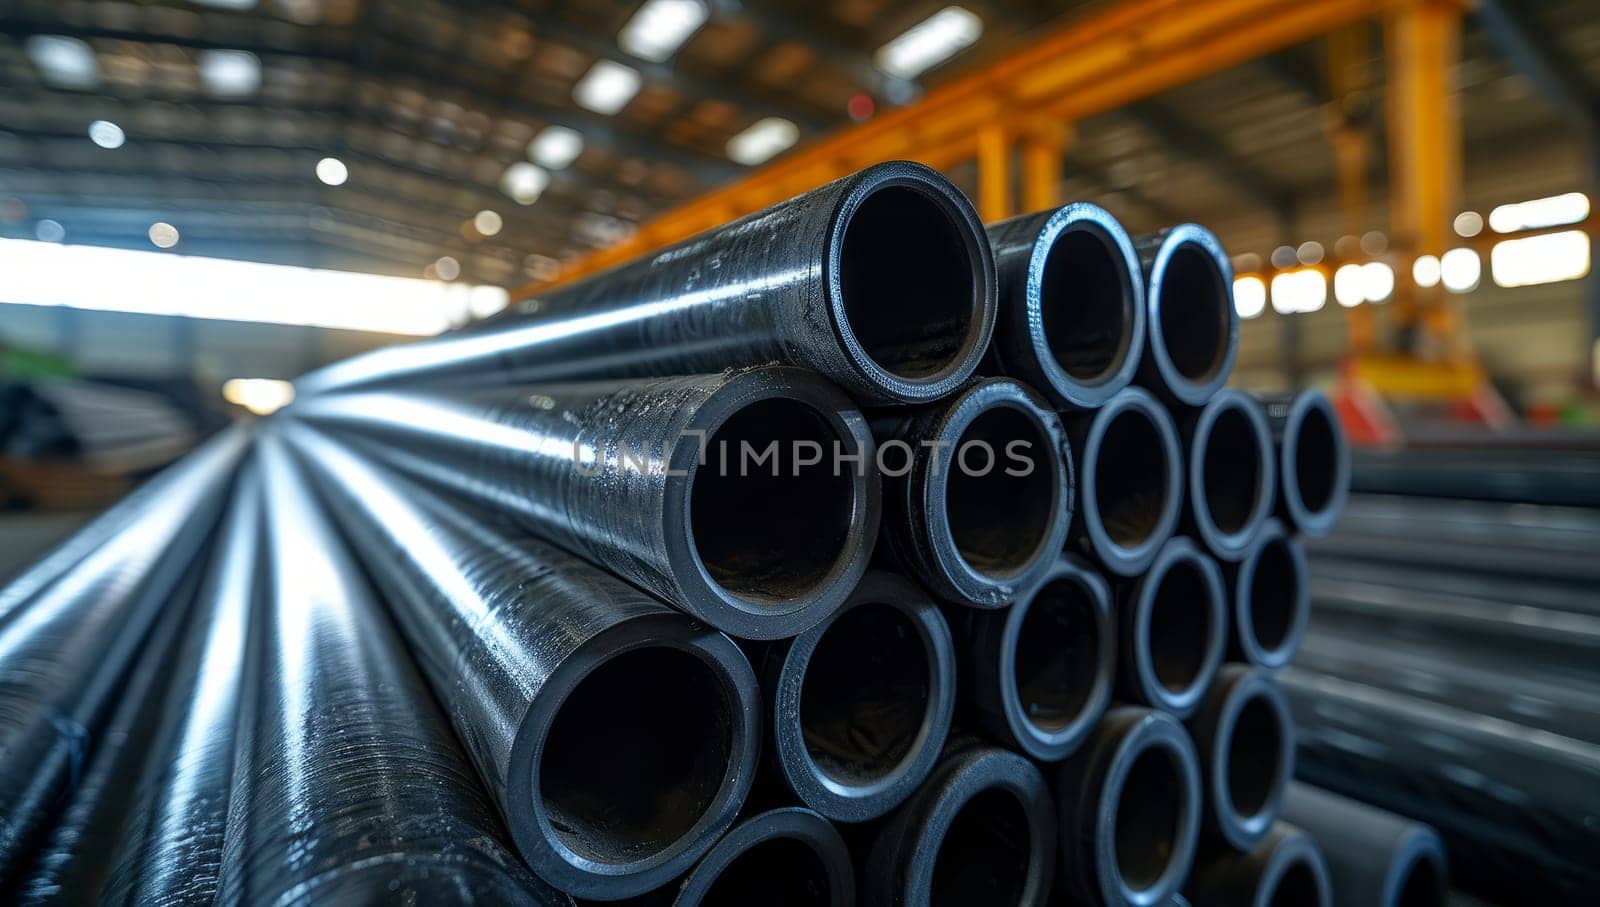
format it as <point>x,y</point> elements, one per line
<point>259,395</point>
<point>332,171</point>
<point>930,42</point>
<point>1377,279</point>
<point>1460,270</point>
<point>487,222</point>
<point>1249,296</point>
<point>447,268</point>
<point>64,62</point>
<point>163,235</point>
<point>524,182</point>
<point>1539,213</point>
<point>1425,271</point>
<point>106,134</point>
<point>556,147</point>
<point>163,283</point>
<point>230,73</point>
<point>1468,224</point>
<point>1540,259</point>
<point>1298,292</point>
<point>660,27</point>
<point>607,87</point>
<point>764,139</point>
<point>1349,286</point>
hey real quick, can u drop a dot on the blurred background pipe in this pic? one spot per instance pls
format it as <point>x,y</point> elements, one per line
<point>1245,740</point>
<point>1173,630</point>
<point>1375,858</point>
<point>617,736</point>
<point>1130,481</point>
<point>1192,329</point>
<point>1515,475</point>
<point>613,472</point>
<point>1313,461</point>
<point>1072,308</point>
<point>1231,474</point>
<point>1269,599</point>
<point>883,281</point>
<point>1284,869</point>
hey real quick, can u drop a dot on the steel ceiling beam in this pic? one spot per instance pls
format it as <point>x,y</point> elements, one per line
<point>1184,136</point>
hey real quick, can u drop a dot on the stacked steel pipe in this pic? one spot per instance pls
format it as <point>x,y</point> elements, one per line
<point>751,567</point>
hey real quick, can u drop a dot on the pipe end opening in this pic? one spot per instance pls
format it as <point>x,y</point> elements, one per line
<point>1316,460</point>
<point>1297,887</point>
<point>1274,596</point>
<point>1132,478</point>
<point>786,868</point>
<point>1233,471</point>
<point>1087,303</point>
<point>1058,656</point>
<point>1000,521</point>
<point>985,853</point>
<point>1149,819</point>
<point>1180,629</point>
<point>1255,774</point>
<point>1196,312</point>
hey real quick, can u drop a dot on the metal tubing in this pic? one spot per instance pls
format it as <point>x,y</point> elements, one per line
<point>349,786</point>
<point>1269,592</point>
<point>1192,329</point>
<point>1313,461</point>
<point>1173,630</point>
<point>1130,482</point>
<point>883,281</point>
<point>980,831</point>
<point>65,651</point>
<point>171,848</point>
<point>791,856</point>
<point>1039,674</point>
<point>1072,306</point>
<point>1245,740</point>
<point>1232,473</point>
<point>1129,809</point>
<point>727,495</point>
<point>1519,476</point>
<point>978,491</point>
<point>617,736</point>
<point>860,704</point>
<point>1375,858</point>
<point>1285,868</point>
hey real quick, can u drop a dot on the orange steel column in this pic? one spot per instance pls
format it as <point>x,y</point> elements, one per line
<point>994,174</point>
<point>1042,152</point>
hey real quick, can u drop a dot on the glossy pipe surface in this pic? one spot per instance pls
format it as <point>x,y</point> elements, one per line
<point>727,495</point>
<point>1245,739</point>
<point>1130,482</point>
<point>1269,598</point>
<point>859,705</point>
<point>1173,630</point>
<point>1375,858</point>
<point>1284,869</point>
<point>65,652</point>
<point>883,281</point>
<point>1040,673</point>
<point>1072,308</point>
<point>790,856</point>
<point>1192,329</point>
<point>617,736</point>
<point>349,785</point>
<point>1232,473</point>
<point>1313,461</point>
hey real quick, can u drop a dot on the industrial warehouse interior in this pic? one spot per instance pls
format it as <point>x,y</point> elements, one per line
<point>743,452</point>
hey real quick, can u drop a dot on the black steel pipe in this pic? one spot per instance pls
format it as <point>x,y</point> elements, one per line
<point>1130,481</point>
<point>727,495</point>
<point>1129,808</point>
<point>883,281</point>
<point>1245,739</point>
<point>350,787</point>
<point>1232,473</point>
<point>617,736</point>
<point>1546,594</point>
<point>1192,329</point>
<point>171,848</point>
<point>1039,674</point>
<point>859,706</point>
<point>791,857</point>
<point>1072,308</point>
<point>1375,858</point>
<point>977,491</point>
<point>1269,594</point>
<point>1173,630</point>
<point>1521,476</point>
<point>980,830</point>
<point>1285,868</point>
<point>65,650</point>
<point>1313,461</point>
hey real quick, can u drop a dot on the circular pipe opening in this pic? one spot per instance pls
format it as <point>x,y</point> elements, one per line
<point>865,696</point>
<point>1195,312</point>
<point>983,858</point>
<point>999,521</point>
<point>785,547</point>
<point>1057,657</point>
<point>1255,758</point>
<point>1180,628</point>
<point>1086,304</point>
<point>1423,887</point>
<point>1316,459</point>
<point>1131,478</point>
<point>785,872</point>
<point>907,281</point>
<point>1274,594</point>
<point>635,755</point>
<point>1297,887</point>
<point>1232,471</point>
<point>1149,810</point>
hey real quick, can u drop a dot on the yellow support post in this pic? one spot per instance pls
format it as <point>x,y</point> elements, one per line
<point>994,174</point>
<point>1042,152</point>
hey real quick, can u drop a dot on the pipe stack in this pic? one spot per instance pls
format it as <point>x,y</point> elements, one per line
<point>848,551</point>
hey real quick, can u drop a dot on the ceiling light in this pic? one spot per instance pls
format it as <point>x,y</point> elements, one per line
<point>660,27</point>
<point>1283,257</point>
<point>1468,224</point>
<point>64,62</point>
<point>1374,242</point>
<point>259,395</point>
<point>607,87</point>
<point>1540,259</point>
<point>1540,212</point>
<point>524,182</point>
<point>1349,286</point>
<point>1460,270</point>
<point>230,73</point>
<point>1425,271</point>
<point>930,42</point>
<point>762,141</point>
<point>163,235</point>
<point>1249,296</point>
<point>106,134</point>
<point>1377,279</point>
<point>487,222</point>
<point>447,268</point>
<point>1310,252</point>
<point>1297,292</point>
<point>556,146</point>
<point>332,171</point>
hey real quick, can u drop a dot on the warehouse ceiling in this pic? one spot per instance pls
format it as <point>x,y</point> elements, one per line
<point>223,110</point>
